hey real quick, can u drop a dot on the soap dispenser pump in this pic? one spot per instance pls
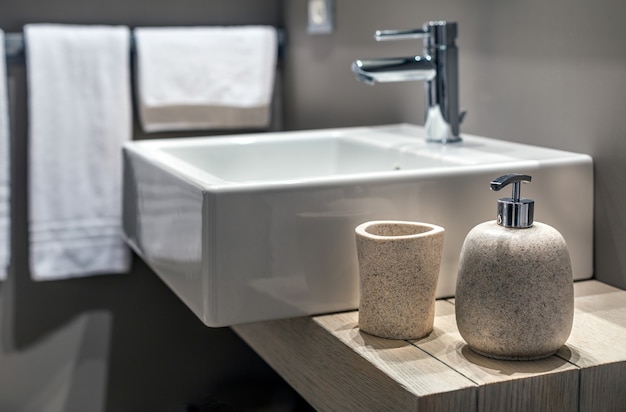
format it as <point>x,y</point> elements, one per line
<point>514,293</point>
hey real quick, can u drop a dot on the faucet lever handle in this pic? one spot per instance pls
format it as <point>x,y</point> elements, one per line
<point>388,35</point>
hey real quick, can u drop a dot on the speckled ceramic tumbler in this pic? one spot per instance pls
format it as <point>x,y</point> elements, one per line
<point>399,269</point>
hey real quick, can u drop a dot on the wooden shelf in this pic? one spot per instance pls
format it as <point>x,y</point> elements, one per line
<point>336,367</point>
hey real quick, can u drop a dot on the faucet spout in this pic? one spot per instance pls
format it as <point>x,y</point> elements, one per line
<point>397,69</point>
<point>438,67</point>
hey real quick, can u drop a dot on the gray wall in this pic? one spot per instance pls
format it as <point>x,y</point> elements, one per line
<point>129,330</point>
<point>551,73</point>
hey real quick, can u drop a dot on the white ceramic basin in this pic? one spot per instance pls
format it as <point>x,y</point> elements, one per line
<point>261,226</point>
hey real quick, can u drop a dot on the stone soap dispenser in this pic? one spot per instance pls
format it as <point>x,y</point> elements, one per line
<point>514,293</point>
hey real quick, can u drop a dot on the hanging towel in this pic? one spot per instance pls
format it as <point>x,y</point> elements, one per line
<point>5,209</point>
<point>205,77</point>
<point>79,116</point>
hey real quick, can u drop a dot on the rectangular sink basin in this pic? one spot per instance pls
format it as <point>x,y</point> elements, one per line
<point>261,226</point>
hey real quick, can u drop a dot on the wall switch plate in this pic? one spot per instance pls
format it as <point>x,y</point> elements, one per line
<point>321,16</point>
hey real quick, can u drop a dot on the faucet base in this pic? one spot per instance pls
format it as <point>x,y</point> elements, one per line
<point>437,128</point>
<point>453,139</point>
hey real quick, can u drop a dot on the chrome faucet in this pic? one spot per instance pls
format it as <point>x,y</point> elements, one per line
<point>438,67</point>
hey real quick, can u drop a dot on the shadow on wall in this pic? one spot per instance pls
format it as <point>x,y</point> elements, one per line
<point>64,371</point>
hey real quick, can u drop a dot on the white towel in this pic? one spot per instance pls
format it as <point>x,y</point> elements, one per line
<point>5,209</point>
<point>205,77</point>
<point>79,116</point>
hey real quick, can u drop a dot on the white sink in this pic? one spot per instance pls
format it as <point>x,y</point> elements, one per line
<point>261,226</point>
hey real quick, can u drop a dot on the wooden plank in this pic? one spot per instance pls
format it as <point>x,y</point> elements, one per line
<point>597,345</point>
<point>549,384</point>
<point>425,377</point>
<point>336,367</point>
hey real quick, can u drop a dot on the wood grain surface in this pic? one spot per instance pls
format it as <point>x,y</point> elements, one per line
<point>336,367</point>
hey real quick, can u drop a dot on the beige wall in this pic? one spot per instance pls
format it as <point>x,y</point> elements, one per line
<point>551,73</point>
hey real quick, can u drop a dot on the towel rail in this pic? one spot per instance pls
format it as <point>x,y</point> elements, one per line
<point>15,45</point>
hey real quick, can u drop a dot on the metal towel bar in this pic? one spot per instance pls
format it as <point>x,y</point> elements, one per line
<point>15,45</point>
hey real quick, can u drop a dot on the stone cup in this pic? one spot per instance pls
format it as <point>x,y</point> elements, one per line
<point>399,265</point>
